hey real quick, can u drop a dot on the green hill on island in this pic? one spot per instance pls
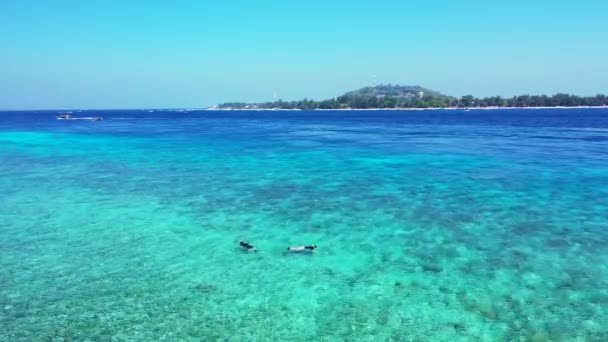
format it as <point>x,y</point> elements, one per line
<point>397,96</point>
<point>396,91</point>
<point>393,96</point>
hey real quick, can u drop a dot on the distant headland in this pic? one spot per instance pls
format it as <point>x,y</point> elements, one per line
<point>416,97</point>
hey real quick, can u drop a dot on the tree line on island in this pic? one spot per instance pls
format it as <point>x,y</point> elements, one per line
<point>395,96</point>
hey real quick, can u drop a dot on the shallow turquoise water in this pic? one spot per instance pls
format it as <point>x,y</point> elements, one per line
<point>454,229</point>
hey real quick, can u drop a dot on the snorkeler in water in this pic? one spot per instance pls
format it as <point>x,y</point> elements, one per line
<point>298,249</point>
<point>249,247</point>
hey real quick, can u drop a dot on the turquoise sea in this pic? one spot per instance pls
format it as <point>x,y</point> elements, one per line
<point>431,226</point>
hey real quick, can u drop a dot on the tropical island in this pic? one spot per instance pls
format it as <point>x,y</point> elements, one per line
<point>414,97</point>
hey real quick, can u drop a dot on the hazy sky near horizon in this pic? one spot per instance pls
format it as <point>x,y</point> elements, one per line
<point>167,54</point>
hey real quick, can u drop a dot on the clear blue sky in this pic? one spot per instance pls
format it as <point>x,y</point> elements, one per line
<point>153,54</point>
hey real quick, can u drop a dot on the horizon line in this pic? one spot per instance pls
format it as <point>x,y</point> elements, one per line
<point>279,99</point>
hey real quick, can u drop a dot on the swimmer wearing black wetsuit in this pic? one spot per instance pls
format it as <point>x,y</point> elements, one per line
<point>249,247</point>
